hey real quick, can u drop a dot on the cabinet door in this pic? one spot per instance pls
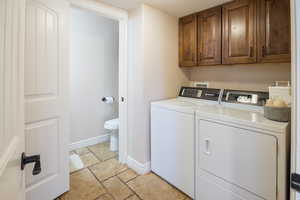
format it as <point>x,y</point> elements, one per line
<point>239,32</point>
<point>209,36</point>
<point>274,38</point>
<point>188,41</point>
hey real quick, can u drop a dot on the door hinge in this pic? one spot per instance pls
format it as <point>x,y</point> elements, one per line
<point>295,182</point>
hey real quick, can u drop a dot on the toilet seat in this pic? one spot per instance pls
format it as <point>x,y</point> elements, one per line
<point>112,124</point>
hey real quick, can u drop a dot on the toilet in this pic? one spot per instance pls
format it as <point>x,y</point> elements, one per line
<point>113,126</point>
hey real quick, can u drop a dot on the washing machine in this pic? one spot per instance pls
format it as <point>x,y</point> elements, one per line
<point>240,155</point>
<point>173,136</point>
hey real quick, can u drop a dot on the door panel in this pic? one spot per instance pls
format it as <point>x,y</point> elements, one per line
<point>209,36</point>
<point>39,135</point>
<point>274,31</point>
<point>239,32</point>
<point>188,41</point>
<point>12,14</point>
<point>46,83</point>
<point>41,79</point>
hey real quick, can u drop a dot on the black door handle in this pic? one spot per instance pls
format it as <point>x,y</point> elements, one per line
<point>31,159</point>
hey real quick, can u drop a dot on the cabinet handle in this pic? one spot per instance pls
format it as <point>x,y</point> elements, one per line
<point>251,51</point>
<point>263,51</point>
<point>200,55</point>
<point>207,146</point>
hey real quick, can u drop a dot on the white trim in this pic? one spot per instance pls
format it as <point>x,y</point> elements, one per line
<point>89,142</point>
<point>295,43</point>
<point>138,167</point>
<point>121,16</point>
<point>101,8</point>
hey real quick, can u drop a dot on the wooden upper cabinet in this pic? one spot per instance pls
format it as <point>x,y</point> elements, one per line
<point>242,31</point>
<point>274,39</point>
<point>188,41</point>
<point>210,36</point>
<point>239,32</point>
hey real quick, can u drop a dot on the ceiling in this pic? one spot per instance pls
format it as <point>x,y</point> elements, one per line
<point>177,8</point>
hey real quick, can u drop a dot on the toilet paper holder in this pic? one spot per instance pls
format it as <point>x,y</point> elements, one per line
<point>108,99</point>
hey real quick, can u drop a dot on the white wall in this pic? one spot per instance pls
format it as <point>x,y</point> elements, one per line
<point>295,8</point>
<point>153,72</point>
<point>94,73</point>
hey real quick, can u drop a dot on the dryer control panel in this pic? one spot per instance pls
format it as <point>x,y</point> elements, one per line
<point>245,97</point>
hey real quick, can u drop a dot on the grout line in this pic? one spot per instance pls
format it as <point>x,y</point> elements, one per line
<point>107,192</point>
<point>137,175</point>
<point>95,155</point>
<point>134,193</point>
<point>100,159</point>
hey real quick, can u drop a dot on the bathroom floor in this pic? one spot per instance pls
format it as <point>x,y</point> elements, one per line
<point>104,178</point>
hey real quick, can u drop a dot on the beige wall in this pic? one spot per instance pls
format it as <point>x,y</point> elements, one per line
<point>244,77</point>
<point>153,72</point>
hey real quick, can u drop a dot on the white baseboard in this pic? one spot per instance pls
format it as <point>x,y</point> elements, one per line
<point>138,167</point>
<point>88,142</point>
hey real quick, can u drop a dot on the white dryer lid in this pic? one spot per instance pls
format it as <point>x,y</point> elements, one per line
<point>246,118</point>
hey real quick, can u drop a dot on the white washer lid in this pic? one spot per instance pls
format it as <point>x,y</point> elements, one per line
<point>112,124</point>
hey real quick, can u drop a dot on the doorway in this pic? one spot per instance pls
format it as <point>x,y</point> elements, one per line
<point>94,100</point>
<point>118,19</point>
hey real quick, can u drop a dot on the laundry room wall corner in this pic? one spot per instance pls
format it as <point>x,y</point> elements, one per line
<point>153,73</point>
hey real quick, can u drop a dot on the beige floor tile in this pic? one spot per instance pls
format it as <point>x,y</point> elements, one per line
<point>102,151</point>
<point>107,169</point>
<point>89,159</point>
<point>134,197</point>
<point>117,188</point>
<point>105,197</point>
<point>83,186</point>
<point>150,187</point>
<point>127,175</point>
<point>82,151</point>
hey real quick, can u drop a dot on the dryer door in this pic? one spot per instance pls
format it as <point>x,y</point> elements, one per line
<point>244,158</point>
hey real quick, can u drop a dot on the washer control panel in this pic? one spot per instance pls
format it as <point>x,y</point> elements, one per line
<point>200,93</point>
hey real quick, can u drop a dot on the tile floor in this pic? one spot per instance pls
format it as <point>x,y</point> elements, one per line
<point>104,178</point>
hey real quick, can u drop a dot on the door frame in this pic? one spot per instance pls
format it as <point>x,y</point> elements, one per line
<point>295,73</point>
<point>121,16</point>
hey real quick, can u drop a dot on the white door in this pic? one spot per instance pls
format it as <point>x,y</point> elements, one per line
<point>11,99</point>
<point>46,102</point>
